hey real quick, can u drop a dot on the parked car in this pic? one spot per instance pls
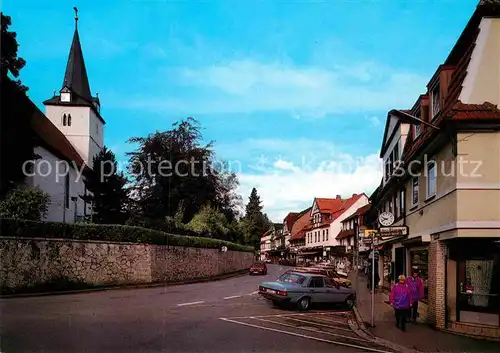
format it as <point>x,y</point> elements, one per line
<point>258,268</point>
<point>303,289</point>
<point>328,272</point>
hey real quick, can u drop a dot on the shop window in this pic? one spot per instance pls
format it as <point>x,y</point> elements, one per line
<point>478,291</point>
<point>419,263</point>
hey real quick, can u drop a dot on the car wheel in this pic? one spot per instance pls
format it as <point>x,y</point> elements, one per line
<point>349,302</point>
<point>304,304</point>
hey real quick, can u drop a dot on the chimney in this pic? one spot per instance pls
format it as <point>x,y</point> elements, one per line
<point>338,197</point>
<point>354,195</point>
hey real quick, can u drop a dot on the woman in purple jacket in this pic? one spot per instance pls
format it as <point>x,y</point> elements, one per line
<point>417,292</point>
<point>401,300</point>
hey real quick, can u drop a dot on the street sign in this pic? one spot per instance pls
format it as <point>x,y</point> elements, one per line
<point>377,255</point>
<point>384,232</point>
<point>224,249</point>
<point>369,232</point>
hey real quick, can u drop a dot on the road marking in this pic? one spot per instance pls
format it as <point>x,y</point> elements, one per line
<point>192,303</point>
<point>281,315</point>
<point>325,320</point>
<point>305,336</point>
<point>253,293</point>
<point>309,329</point>
<point>233,296</point>
<point>318,324</point>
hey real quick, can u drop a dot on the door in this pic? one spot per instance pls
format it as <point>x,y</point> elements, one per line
<point>317,289</point>
<point>334,292</point>
<point>399,263</point>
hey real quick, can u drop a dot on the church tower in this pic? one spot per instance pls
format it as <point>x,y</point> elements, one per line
<point>75,111</point>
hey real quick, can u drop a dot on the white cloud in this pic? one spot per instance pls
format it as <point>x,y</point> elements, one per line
<point>374,121</point>
<point>249,86</point>
<point>290,173</point>
<point>291,190</point>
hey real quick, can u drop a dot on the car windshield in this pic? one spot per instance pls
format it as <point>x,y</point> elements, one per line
<point>292,278</point>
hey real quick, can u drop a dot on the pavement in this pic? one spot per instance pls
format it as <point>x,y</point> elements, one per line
<point>418,337</point>
<point>221,316</point>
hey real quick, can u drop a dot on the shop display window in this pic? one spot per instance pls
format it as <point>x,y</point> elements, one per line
<point>419,262</point>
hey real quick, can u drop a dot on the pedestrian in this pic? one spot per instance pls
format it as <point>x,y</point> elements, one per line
<point>401,299</point>
<point>417,292</point>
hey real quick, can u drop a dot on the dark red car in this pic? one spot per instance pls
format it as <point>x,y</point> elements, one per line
<point>258,268</point>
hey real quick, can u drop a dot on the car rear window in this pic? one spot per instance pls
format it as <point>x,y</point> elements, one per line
<point>292,278</point>
<point>258,264</point>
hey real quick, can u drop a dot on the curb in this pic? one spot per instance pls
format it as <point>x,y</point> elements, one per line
<point>128,286</point>
<point>382,342</point>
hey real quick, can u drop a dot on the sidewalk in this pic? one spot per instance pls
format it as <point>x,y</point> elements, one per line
<point>418,336</point>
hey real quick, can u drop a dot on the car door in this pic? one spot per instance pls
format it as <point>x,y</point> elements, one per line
<point>334,293</point>
<point>317,290</point>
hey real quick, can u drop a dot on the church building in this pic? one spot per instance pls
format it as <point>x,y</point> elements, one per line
<point>69,135</point>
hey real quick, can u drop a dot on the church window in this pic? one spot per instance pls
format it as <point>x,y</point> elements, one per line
<point>66,190</point>
<point>65,120</point>
<point>69,119</point>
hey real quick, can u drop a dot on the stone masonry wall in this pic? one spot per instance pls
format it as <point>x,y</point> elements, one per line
<point>437,298</point>
<point>32,262</point>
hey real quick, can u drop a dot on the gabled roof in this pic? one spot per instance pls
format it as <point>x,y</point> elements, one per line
<point>360,211</point>
<point>388,135</point>
<point>51,138</point>
<point>290,219</point>
<point>328,205</point>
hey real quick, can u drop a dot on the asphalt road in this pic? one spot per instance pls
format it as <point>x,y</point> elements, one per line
<point>222,316</point>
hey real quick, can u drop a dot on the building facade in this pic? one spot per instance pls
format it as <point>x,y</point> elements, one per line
<point>69,135</point>
<point>443,188</point>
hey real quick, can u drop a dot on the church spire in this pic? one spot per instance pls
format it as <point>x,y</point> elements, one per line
<point>76,78</point>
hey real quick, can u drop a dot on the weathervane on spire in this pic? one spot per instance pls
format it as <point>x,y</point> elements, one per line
<point>76,15</point>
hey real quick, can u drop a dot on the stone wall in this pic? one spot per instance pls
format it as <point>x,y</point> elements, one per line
<point>31,262</point>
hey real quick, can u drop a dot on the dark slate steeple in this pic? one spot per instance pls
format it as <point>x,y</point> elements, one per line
<point>76,82</point>
<point>76,78</point>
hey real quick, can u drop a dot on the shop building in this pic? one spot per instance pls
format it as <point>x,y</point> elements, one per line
<point>442,184</point>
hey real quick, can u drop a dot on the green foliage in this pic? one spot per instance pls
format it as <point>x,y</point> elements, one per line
<point>255,223</point>
<point>109,197</point>
<point>210,221</point>
<point>10,62</point>
<point>111,233</point>
<point>25,203</point>
<point>173,168</point>
<point>16,111</point>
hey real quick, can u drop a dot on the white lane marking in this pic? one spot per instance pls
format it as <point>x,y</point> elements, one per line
<point>310,329</point>
<point>318,324</point>
<point>233,296</point>
<point>192,303</point>
<point>305,336</point>
<point>279,315</point>
<point>253,293</point>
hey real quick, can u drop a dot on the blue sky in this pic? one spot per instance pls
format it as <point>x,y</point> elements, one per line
<point>294,93</point>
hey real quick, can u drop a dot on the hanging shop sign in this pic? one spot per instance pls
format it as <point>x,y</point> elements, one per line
<point>368,232</point>
<point>389,232</point>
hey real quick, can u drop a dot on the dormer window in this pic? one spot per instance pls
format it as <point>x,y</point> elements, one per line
<point>436,101</point>
<point>417,127</point>
<point>65,97</point>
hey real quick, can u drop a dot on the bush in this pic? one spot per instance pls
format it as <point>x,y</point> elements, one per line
<point>113,233</point>
<point>25,203</point>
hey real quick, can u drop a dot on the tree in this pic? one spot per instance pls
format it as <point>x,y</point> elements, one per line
<point>9,61</point>
<point>210,222</point>
<point>16,111</point>
<point>255,223</point>
<point>107,186</point>
<point>25,202</point>
<point>173,168</point>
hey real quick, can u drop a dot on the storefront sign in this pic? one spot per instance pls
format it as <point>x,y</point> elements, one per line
<point>387,232</point>
<point>368,232</point>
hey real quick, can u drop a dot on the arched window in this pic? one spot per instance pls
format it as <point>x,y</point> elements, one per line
<point>65,121</point>
<point>69,119</point>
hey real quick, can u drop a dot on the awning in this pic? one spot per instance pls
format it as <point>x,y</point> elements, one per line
<point>390,241</point>
<point>311,252</point>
